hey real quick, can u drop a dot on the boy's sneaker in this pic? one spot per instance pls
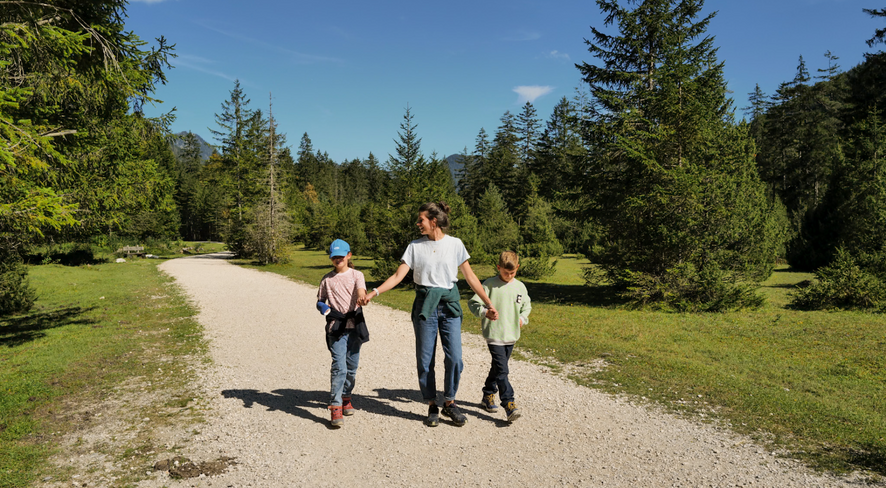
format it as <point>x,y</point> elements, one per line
<point>337,420</point>
<point>452,411</point>
<point>347,408</point>
<point>488,402</point>
<point>511,411</point>
<point>433,416</point>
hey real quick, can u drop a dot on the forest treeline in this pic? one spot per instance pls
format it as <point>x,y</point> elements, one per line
<point>648,170</point>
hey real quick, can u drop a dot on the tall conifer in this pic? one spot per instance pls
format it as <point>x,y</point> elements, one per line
<point>687,219</point>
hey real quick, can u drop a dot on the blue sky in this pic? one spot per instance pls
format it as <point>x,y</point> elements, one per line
<point>344,71</point>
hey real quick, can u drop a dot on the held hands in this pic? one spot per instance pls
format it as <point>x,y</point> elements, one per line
<point>491,313</point>
<point>367,298</point>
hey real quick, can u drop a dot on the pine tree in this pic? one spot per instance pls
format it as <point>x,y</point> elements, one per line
<point>759,105</point>
<point>408,166</point>
<point>473,180</point>
<point>415,180</point>
<point>799,148</point>
<point>502,167</point>
<point>232,122</point>
<point>675,187</point>
<point>377,179</point>
<point>558,152</point>
<point>187,188</point>
<point>853,216</point>
<point>865,82</point>
<point>528,127</point>
<point>880,34</point>
<point>269,231</point>
<point>538,241</point>
<point>497,230</point>
<point>72,83</point>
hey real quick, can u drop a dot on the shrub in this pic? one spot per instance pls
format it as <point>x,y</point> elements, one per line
<point>847,283</point>
<point>536,268</point>
<point>16,294</point>
<point>684,288</point>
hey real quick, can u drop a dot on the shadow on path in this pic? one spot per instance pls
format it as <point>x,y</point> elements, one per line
<point>498,416</point>
<point>412,396</point>
<point>307,403</point>
<point>216,255</point>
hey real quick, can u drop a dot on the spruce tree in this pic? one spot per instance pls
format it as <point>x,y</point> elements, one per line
<point>231,134</point>
<point>759,104</point>
<point>377,179</point>
<point>187,188</point>
<point>799,148</point>
<point>415,179</point>
<point>528,127</point>
<point>558,151</point>
<point>473,180</point>
<point>538,241</point>
<point>497,230</point>
<point>687,220</point>
<point>269,227</point>
<point>73,82</point>
<point>408,166</point>
<point>853,216</point>
<point>502,167</point>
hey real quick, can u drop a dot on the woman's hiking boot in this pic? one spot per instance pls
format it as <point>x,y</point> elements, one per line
<point>452,411</point>
<point>433,416</point>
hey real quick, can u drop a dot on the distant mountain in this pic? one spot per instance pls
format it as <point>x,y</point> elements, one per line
<point>178,144</point>
<point>455,165</point>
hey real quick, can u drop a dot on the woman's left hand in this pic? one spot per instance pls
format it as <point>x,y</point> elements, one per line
<point>491,313</point>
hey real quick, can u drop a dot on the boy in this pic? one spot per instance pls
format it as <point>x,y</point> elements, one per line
<point>509,297</point>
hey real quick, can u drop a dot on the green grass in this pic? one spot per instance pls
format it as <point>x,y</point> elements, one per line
<point>811,383</point>
<point>92,328</point>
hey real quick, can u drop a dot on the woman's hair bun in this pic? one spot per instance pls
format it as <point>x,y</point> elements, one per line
<point>444,207</point>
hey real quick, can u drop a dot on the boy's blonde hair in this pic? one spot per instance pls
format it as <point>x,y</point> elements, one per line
<point>509,260</point>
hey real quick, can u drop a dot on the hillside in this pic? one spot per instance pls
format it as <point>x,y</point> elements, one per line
<point>177,143</point>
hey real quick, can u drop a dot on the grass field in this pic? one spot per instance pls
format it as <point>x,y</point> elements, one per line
<point>93,328</point>
<point>810,383</point>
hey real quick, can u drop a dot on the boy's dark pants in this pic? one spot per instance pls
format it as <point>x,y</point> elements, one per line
<point>497,381</point>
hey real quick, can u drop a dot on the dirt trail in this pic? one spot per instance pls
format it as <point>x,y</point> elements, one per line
<point>268,390</point>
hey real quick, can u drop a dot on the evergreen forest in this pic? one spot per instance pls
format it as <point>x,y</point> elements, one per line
<point>682,200</point>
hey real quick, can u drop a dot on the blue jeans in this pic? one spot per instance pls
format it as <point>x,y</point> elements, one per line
<point>497,380</point>
<point>345,351</point>
<point>426,330</point>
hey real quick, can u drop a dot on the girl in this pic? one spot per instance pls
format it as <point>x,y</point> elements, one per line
<point>343,288</point>
<point>436,259</point>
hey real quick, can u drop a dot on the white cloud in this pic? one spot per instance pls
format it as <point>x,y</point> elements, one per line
<point>531,93</point>
<point>557,55</point>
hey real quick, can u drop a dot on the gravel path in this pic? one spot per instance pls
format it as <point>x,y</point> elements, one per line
<point>269,385</point>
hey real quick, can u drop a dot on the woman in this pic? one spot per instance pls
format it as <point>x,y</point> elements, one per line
<point>435,259</point>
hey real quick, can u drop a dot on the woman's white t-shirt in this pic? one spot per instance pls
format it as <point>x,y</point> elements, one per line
<point>435,263</point>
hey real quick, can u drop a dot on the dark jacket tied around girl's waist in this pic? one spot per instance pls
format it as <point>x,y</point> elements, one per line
<point>336,322</point>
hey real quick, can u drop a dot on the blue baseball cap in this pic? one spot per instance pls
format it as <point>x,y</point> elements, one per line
<point>339,248</point>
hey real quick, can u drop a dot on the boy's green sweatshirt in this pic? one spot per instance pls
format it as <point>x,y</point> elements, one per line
<point>512,302</point>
